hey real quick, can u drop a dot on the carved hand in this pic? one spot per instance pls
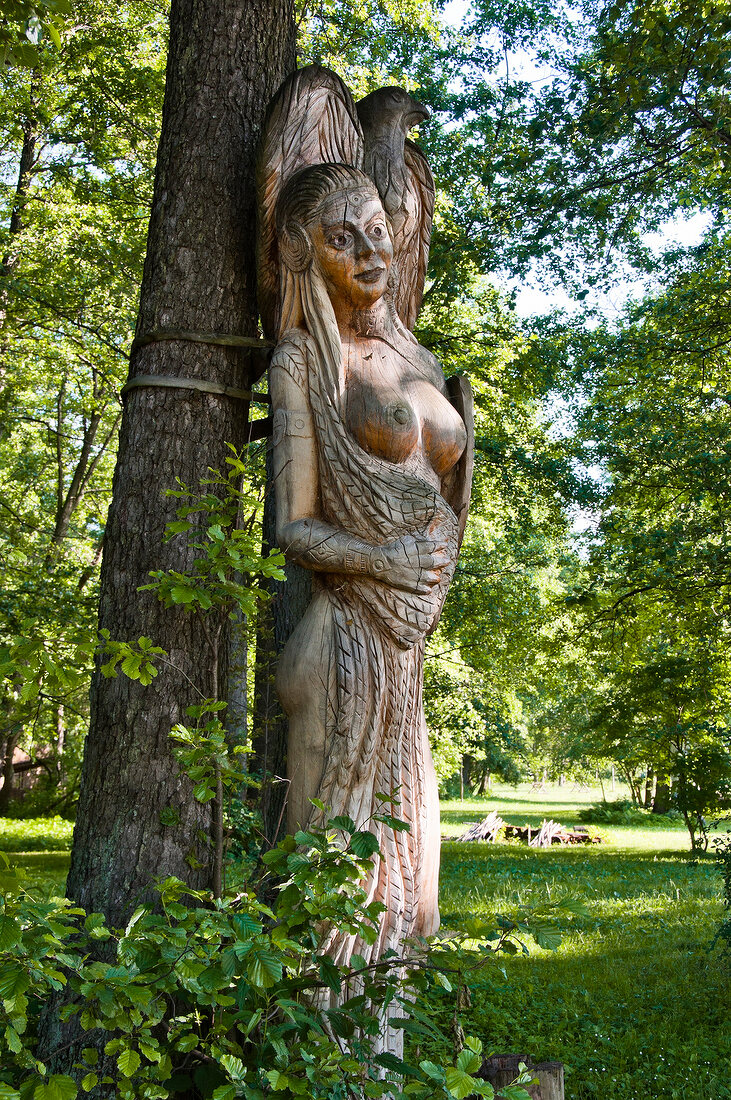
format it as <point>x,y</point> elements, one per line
<point>413,562</point>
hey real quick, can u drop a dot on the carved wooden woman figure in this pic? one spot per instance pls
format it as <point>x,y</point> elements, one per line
<point>370,465</point>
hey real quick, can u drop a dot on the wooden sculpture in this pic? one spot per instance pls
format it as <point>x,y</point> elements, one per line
<point>372,459</point>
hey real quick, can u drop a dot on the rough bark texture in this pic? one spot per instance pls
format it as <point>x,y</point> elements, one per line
<point>277,620</point>
<point>226,59</point>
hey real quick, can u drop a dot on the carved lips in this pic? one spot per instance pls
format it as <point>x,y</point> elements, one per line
<point>372,274</point>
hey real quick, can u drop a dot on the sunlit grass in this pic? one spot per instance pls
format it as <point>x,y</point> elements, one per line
<point>42,874</point>
<point>36,834</point>
<point>632,1002</point>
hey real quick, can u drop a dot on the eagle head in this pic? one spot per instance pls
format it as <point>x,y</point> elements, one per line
<point>388,109</point>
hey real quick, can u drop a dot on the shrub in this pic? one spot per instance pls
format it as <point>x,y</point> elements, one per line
<point>228,997</point>
<point>625,812</point>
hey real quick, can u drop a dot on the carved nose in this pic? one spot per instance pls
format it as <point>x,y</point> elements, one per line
<point>363,245</point>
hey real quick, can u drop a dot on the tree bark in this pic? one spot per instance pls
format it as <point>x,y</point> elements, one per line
<point>6,791</point>
<point>276,620</point>
<point>226,60</point>
<point>661,805</point>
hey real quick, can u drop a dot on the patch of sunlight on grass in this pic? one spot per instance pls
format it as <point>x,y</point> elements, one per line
<point>35,834</point>
<point>42,874</point>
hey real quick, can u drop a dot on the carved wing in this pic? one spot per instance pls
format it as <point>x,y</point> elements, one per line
<point>413,255</point>
<point>311,120</point>
<point>459,392</point>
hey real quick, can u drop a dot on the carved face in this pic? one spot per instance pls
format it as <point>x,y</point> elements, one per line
<point>353,247</point>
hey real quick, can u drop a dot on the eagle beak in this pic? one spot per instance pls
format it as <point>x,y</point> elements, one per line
<point>418,113</point>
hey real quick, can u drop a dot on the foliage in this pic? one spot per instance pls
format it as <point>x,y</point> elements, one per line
<point>624,812</point>
<point>24,23</point>
<point>219,520</point>
<point>260,1006</point>
<point>78,135</point>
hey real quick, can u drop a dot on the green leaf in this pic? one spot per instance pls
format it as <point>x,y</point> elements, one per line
<point>89,1082</point>
<point>13,980</point>
<point>390,1061</point>
<point>13,1039</point>
<point>10,932</point>
<point>179,594</point>
<point>245,926</point>
<point>363,844</point>
<point>513,1092</point>
<point>128,1062</point>
<point>202,792</point>
<point>278,1081</point>
<point>264,969</point>
<point>234,1067</point>
<point>468,1061</point>
<point>459,1083</point>
<point>57,1087</point>
<point>546,935</point>
<point>330,974</point>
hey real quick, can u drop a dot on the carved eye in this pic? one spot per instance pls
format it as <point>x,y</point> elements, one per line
<point>340,240</point>
<point>378,232</point>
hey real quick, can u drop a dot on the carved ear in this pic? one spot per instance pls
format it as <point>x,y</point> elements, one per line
<point>295,247</point>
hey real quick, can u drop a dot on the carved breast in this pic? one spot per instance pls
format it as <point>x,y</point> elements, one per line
<point>395,412</point>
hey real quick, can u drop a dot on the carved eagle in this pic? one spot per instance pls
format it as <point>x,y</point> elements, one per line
<point>406,186</point>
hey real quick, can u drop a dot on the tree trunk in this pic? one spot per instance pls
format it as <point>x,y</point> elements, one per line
<point>649,787</point>
<point>226,60</point>
<point>277,619</point>
<point>661,805</point>
<point>6,791</point>
<point>9,261</point>
<point>633,786</point>
<point>550,1081</point>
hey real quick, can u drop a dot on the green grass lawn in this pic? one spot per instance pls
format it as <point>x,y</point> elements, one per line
<point>632,1002</point>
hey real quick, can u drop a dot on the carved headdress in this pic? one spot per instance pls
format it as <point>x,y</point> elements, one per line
<point>314,120</point>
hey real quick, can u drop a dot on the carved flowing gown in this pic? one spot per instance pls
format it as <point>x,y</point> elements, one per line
<point>370,663</point>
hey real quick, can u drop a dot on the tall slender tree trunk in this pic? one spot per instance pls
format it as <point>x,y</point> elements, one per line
<point>8,772</point>
<point>226,60</point>
<point>11,256</point>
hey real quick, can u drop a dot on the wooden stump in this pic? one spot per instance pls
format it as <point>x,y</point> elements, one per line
<point>501,1069</point>
<point>550,1081</point>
